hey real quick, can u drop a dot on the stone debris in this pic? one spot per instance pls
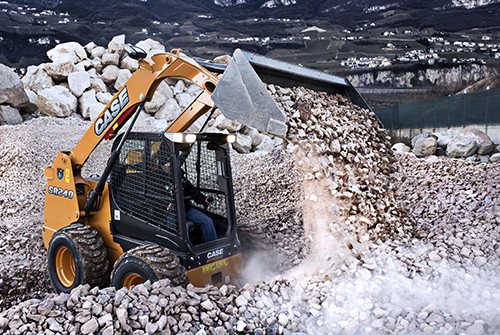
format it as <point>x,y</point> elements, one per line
<point>469,142</point>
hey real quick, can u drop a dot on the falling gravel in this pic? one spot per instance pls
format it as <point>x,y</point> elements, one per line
<point>360,240</point>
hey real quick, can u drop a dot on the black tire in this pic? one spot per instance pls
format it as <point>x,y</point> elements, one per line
<point>82,245</point>
<point>148,262</point>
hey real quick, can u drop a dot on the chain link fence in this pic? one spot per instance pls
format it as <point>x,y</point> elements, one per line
<point>453,111</point>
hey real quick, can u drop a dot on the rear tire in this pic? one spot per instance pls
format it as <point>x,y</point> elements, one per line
<point>77,255</point>
<point>147,262</point>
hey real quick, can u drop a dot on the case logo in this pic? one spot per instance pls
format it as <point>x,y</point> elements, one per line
<point>215,253</point>
<point>110,114</point>
<point>60,173</point>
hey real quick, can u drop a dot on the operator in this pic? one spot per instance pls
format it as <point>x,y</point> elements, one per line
<point>201,220</point>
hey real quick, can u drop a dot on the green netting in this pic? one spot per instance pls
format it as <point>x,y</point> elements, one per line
<point>457,110</point>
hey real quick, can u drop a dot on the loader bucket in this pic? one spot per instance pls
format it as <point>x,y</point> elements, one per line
<point>241,95</point>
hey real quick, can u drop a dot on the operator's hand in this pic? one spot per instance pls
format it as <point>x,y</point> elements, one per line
<point>209,200</point>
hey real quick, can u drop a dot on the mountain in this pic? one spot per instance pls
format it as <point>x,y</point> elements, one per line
<point>312,32</point>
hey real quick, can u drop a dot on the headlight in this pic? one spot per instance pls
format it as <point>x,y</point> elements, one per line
<point>190,138</point>
<point>231,138</point>
<point>178,137</point>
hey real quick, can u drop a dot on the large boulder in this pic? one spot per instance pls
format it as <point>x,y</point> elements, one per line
<point>420,136</point>
<point>9,115</point>
<point>110,59</point>
<point>116,44</point>
<point>461,146</point>
<point>78,82</point>
<point>61,70</point>
<point>129,63</point>
<point>151,46</point>
<point>169,111</point>
<point>88,106</point>
<point>184,99</point>
<point>485,145</point>
<point>495,158</point>
<point>486,148</point>
<point>225,124</point>
<point>69,51</point>
<point>162,94</point>
<point>425,147</point>
<point>11,88</point>
<point>97,52</point>
<point>243,143</point>
<point>123,76</point>
<point>57,101</point>
<point>110,74</point>
<point>37,79</point>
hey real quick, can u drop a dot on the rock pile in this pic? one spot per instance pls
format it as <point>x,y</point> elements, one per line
<point>469,142</point>
<point>84,79</point>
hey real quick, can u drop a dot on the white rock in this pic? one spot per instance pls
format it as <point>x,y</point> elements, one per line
<point>37,79</point>
<point>9,115</point>
<point>266,145</point>
<point>69,51</point>
<point>123,76</point>
<point>109,74</point>
<point>11,88</point>
<point>116,44</point>
<point>461,146</point>
<point>243,144</point>
<point>179,87</point>
<point>59,70</point>
<point>162,93</point>
<point>241,301</point>
<point>283,319</point>
<point>57,101</point>
<point>89,327</point>
<point>78,82</point>
<point>98,85</point>
<point>184,100</point>
<point>110,59</point>
<point>97,52</point>
<point>129,63</point>
<point>89,47</point>
<point>495,158</point>
<point>225,124</point>
<point>207,305</point>
<point>401,147</point>
<point>104,97</point>
<point>169,111</point>
<point>425,147</point>
<point>97,64</point>
<point>89,107</point>
<point>151,46</point>
<point>240,326</point>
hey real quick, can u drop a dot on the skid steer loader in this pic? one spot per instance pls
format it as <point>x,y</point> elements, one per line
<point>129,225</point>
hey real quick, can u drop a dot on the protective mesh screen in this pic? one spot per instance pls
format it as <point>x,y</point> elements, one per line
<point>207,178</point>
<point>143,185</point>
<point>452,111</point>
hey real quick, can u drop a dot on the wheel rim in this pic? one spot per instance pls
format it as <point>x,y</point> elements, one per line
<point>65,266</point>
<point>132,279</point>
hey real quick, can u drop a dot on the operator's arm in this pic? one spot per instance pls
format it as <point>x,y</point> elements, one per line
<point>191,190</point>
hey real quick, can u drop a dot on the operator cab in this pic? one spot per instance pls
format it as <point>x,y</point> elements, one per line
<point>146,192</point>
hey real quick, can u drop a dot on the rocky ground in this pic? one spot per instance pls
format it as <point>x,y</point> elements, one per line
<point>368,241</point>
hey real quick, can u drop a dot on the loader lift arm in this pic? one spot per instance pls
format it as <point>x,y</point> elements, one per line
<point>140,88</point>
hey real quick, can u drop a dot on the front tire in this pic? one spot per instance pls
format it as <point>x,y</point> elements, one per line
<point>77,255</point>
<point>147,262</point>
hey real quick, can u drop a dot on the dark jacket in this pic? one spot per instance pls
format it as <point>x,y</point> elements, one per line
<point>192,193</point>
